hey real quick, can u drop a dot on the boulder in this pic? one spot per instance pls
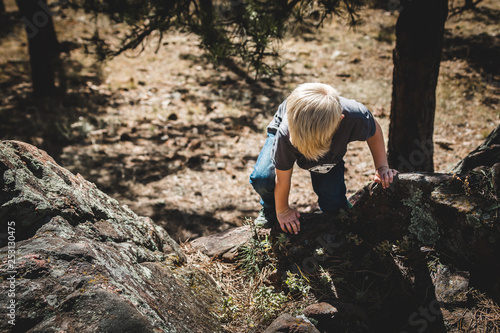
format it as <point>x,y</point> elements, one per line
<point>411,253</point>
<point>76,260</point>
<point>455,215</point>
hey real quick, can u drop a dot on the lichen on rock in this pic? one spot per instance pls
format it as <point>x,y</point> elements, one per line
<point>86,262</point>
<point>423,225</point>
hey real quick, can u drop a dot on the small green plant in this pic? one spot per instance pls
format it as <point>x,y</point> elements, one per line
<point>267,302</point>
<point>352,237</point>
<point>229,309</point>
<point>384,247</point>
<point>402,245</point>
<point>325,277</point>
<point>326,280</point>
<point>283,240</point>
<point>265,244</point>
<point>256,254</point>
<point>480,182</point>
<point>249,257</point>
<point>433,263</point>
<point>298,284</point>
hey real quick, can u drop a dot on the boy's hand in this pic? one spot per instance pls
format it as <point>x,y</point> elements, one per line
<point>384,176</point>
<point>289,221</point>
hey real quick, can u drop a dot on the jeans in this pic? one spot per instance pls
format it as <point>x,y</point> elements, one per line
<point>330,187</point>
<point>263,175</point>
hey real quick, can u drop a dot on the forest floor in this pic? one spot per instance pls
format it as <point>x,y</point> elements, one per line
<point>175,138</point>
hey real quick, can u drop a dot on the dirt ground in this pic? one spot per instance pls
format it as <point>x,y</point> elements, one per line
<point>175,138</point>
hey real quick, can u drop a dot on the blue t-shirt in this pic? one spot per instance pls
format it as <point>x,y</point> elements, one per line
<point>358,125</point>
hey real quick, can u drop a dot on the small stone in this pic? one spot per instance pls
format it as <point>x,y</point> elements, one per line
<point>335,316</point>
<point>125,137</point>
<point>194,144</point>
<point>226,241</point>
<point>320,311</point>
<point>231,255</point>
<point>287,323</point>
<point>451,287</point>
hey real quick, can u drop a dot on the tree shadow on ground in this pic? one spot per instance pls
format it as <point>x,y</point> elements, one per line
<point>481,51</point>
<point>48,122</point>
<point>176,222</point>
<point>237,84</point>
<point>481,14</point>
<point>8,22</point>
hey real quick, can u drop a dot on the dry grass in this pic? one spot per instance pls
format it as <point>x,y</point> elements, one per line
<point>484,317</point>
<point>250,300</point>
<point>238,312</point>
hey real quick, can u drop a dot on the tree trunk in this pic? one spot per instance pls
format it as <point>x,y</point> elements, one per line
<point>417,55</point>
<point>43,44</point>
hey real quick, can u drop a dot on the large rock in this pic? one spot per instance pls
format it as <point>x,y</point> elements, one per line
<point>84,263</point>
<point>411,253</point>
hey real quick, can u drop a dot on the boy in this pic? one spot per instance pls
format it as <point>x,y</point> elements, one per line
<point>312,127</point>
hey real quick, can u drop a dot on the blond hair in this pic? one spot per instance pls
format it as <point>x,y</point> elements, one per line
<point>314,113</point>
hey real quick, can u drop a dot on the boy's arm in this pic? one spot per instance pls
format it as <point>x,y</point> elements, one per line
<point>383,174</point>
<point>288,218</point>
